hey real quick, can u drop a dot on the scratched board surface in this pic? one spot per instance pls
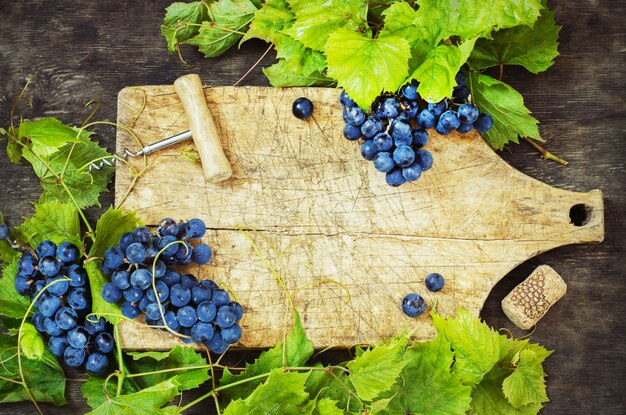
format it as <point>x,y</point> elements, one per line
<point>305,220</point>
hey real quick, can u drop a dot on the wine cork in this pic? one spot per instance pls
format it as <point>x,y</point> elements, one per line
<point>527,303</point>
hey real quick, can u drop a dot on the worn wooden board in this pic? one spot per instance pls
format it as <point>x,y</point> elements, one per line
<point>347,246</point>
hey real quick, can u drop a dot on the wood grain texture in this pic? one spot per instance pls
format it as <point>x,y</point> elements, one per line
<point>79,50</point>
<point>349,244</point>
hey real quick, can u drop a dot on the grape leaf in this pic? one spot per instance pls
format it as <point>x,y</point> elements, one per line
<point>533,48</point>
<point>316,20</point>
<point>526,385</point>
<point>399,18</point>
<point>377,369</point>
<point>436,74</point>
<point>506,106</point>
<point>280,75</point>
<point>376,10</point>
<point>476,347</point>
<point>178,357</point>
<point>143,402</point>
<point>12,304</point>
<point>438,20</point>
<point>428,386</point>
<point>336,387</point>
<point>326,406</point>
<point>44,376</point>
<point>269,21</point>
<point>181,22</point>
<point>282,393</point>
<point>298,349</point>
<point>298,58</point>
<point>100,307</point>
<point>382,63</point>
<point>47,135</point>
<point>228,20</point>
<point>488,399</point>
<point>31,342</point>
<point>64,175</point>
<point>57,222</point>
<point>112,224</point>
<point>93,390</point>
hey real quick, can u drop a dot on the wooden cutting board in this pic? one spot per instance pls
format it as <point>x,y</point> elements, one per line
<point>347,246</point>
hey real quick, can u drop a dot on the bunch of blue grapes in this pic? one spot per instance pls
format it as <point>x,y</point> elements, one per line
<point>394,130</point>
<point>143,280</point>
<point>53,278</point>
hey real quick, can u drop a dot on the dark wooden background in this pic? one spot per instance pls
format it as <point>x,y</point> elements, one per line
<point>81,50</point>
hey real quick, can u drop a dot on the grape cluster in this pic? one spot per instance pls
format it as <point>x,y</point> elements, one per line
<point>143,280</point>
<point>394,130</point>
<point>54,279</point>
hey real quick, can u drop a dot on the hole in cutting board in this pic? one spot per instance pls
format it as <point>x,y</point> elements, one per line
<point>580,214</point>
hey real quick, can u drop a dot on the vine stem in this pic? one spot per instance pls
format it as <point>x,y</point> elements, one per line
<point>545,153</point>
<point>254,66</point>
<point>120,361</point>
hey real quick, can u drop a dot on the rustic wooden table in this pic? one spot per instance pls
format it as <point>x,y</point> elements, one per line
<point>83,50</point>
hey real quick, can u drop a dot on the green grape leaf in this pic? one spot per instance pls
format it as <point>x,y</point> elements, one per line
<point>399,18</point>
<point>31,342</point>
<point>427,385</point>
<point>100,307</point>
<point>181,22</point>
<point>298,58</point>
<point>12,304</point>
<point>179,357</point>
<point>282,393</point>
<point>438,20</point>
<point>382,63</point>
<point>44,376</point>
<point>476,346</point>
<point>57,222</point>
<point>47,135</point>
<point>269,21</point>
<point>375,10</point>
<point>377,369</point>
<point>297,350</point>
<point>488,399</point>
<point>533,48</point>
<point>93,390</point>
<point>228,20</point>
<point>336,387</point>
<point>526,385</point>
<point>281,75</point>
<point>326,406</point>
<point>506,107</point>
<point>143,402</point>
<point>65,174</point>
<point>436,74</point>
<point>111,225</point>
<point>316,20</point>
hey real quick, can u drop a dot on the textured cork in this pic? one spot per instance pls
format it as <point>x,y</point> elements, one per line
<point>527,303</point>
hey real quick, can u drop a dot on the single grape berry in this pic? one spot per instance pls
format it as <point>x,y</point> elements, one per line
<point>449,120</point>
<point>439,107</point>
<point>368,151</point>
<point>372,126</point>
<point>434,282</point>
<point>413,305</point>
<point>97,363</point>
<point>395,177</point>
<point>114,257</point>
<point>206,311</point>
<point>354,116</point>
<point>4,231</point>
<point>74,357</point>
<point>383,162</point>
<point>426,119</point>
<point>401,132</point>
<point>143,233</point>
<point>111,293</point>
<point>420,137</point>
<point>383,142</point>
<point>412,172</point>
<point>220,298</point>
<point>409,91</point>
<point>231,334</point>
<point>136,253</point>
<point>467,113</point>
<point>483,123</point>
<point>217,344</point>
<point>424,158</point>
<point>67,252</point>
<point>49,266</point>
<point>201,254</point>
<point>46,248</point>
<point>403,156</point>
<point>351,132</point>
<point>127,239</point>
<point>465,128</point>
<point>345,99</point>
<point>195,228</point>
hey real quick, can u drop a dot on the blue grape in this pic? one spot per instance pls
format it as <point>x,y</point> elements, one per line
<point>302,108</point>
<point>49,266</point>
<point>426,119</point>
<point>37,287</point>
<point>467,113</point>
<point>403,156</point>
<point>94,327</point>
<point>434,282</point>
<point>200,294</point>
<point>179,295</point>
<point>114,257</point>
<point>388,108</point>
<point>441,129</point>
<point>136,253</point>
<point>395,178</point>
<point>201,254</point>
<point>368,151</point>
<point>186,331</point>
<point>78,298</point>
<point>52,328</point>
<point>159,269</point>
<point>206,311</point>
<point>424,158</point>
<point>77,274</point>
<point>171,320</point>
<point>220,298</point>
<point>345,99</point>
<point>153,311</point>
<point>168,226</point>
<point>188,281</point>
<point>208,284</point>
<point>46,248</point>
<point>226,316</point>
<point>97,363</point>
<point>106,270</point>
<point>162,289</point>
<point>195,228</point>
<point>111,293</point>
<point>60,286</point>
<point>410,91</point>
<point>143,234</point>
<point>104,342</point>
<point>143,303</point>
<point>49,304</point>
<point>449,120</point>
<point>132,294</point>
<point>151,251</point>
<point>412,172</point>
<point>354,116</point>
<point>37,320</point>
<point>4,232</point>
<point>231,334</point>
<point>217,344</point>
<point>401,132</point>
<point>171,277</point>
<point>186,316</point>
<point>237,308</point>
<point>129,310</point>
<point>202,332</point>
<point>351,132</point>
<point>127,239</point>
<point>78,337</point>
<point>22,284</point>
<point>74,357</point>
<point>372,126</point>
<point>66,318</point>
<point>460,78</point>
<point>460,94</point>
<point>141,279</point>
<point>164,242</point>
<point>413,305</point>
<point>483,123</point>
<point>121,279</point>
<point>383,162</point>
<point>383,142</point>
<point>57,345</point>
<point>67,252</point>
<point>27,265</point>
<point>439,107</point>
<point>419,137</point>
<point>465,128</point>
<point>410,109</point>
